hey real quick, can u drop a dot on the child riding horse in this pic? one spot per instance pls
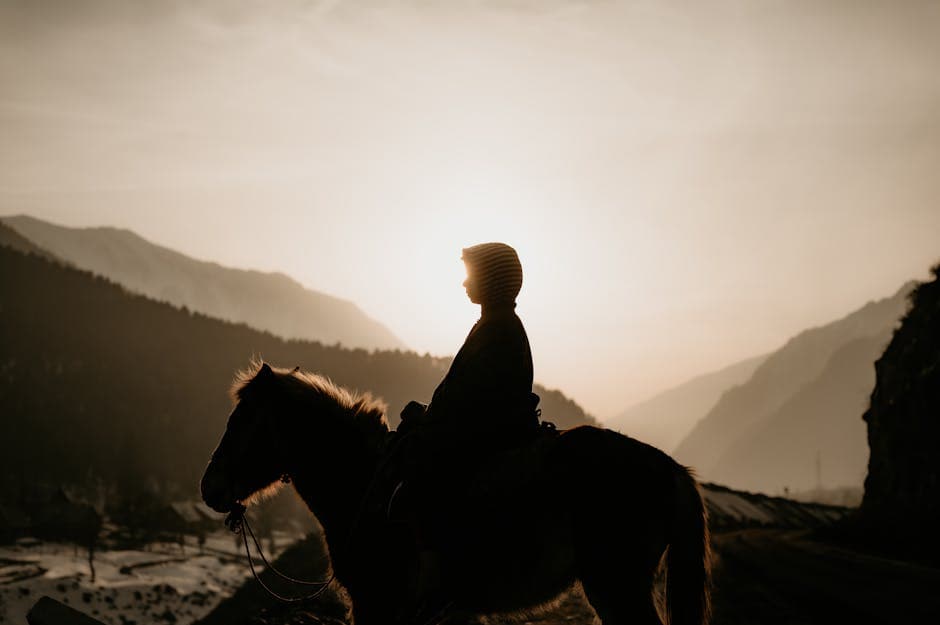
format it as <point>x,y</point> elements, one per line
<point>483,405</point>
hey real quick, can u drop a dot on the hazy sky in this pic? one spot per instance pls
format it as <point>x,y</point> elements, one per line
<point>688,183</point>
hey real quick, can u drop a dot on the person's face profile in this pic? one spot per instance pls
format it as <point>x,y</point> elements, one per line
<point>470,285</point>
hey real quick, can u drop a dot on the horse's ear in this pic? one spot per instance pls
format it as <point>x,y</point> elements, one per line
<point>265,371</point>
<point>296,369</point>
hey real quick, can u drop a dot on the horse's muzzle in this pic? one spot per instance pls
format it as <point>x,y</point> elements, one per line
<point>215,489</point>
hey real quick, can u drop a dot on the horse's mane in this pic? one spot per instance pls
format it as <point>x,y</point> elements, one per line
<point>365,410</point>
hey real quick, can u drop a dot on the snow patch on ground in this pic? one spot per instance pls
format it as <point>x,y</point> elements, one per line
<point>734,507</point>
<point>161,582</point>
<point>731,509</point>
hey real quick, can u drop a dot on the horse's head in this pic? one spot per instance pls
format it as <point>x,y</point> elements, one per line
<point>285,421</point>
<point>249,458</point>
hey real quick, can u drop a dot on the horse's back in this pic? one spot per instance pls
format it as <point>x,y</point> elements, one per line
<point>579,456</point>
<point>613,455</point>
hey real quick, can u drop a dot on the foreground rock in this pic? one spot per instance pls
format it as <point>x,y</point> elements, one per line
<point>48,611</point>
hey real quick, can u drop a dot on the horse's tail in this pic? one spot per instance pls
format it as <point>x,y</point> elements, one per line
<point>688,559</point>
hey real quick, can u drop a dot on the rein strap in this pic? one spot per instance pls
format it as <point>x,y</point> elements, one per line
<point>237,522</point>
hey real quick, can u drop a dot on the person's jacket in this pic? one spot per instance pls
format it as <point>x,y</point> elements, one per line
<point>487,391</point>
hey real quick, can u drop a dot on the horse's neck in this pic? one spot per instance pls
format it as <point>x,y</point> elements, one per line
<point>331,473</point>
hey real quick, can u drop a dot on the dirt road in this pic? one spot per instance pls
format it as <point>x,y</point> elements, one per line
<point>784,577</point>
<point>777,577</point>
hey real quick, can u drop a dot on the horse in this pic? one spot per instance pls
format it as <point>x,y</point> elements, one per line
<point>591,507</point>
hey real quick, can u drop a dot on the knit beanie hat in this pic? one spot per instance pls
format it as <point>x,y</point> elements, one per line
<point>496,269</point>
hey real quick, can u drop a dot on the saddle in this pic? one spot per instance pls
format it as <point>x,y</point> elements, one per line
<point>499,474</point>
<point>508,471</point>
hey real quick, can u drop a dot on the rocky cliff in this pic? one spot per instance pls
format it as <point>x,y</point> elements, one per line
<point>902,492</point>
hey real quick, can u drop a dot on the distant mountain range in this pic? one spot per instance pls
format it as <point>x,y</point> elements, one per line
<point>667,418</point>
<point>267,301</point>
<point>796,423</point>
<point>102,386</point>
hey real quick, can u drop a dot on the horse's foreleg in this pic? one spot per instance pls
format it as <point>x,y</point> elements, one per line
<point>628,602</point>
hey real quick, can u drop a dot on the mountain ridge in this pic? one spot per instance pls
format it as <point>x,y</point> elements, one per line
<point>817,435</point>
<point>667,417</point>
<point>799,363</point>
<point>14,240</point>
<point>271,301</point>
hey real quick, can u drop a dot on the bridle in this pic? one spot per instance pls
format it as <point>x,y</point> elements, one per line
<point>237,522</point>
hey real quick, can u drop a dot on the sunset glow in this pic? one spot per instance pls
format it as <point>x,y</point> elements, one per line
<point>692,377</point>
<point>686,188</point>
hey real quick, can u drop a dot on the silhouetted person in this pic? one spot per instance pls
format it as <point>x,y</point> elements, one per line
<point>487,392</point>
<point>483,405</point>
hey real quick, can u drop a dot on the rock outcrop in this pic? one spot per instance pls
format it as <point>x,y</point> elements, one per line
<point>901,507</point>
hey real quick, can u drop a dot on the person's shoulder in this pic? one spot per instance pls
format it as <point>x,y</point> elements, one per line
<point>502,320</point>
<point>515,321</point>
<point>508,328</point>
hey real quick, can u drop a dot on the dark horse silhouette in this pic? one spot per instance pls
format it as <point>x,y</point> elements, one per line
<point>589,505</point>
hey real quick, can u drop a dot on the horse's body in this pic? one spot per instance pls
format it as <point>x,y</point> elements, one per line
<point>589,505</point>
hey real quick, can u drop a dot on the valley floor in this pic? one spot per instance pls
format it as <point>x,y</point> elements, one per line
<point>762,577</point>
